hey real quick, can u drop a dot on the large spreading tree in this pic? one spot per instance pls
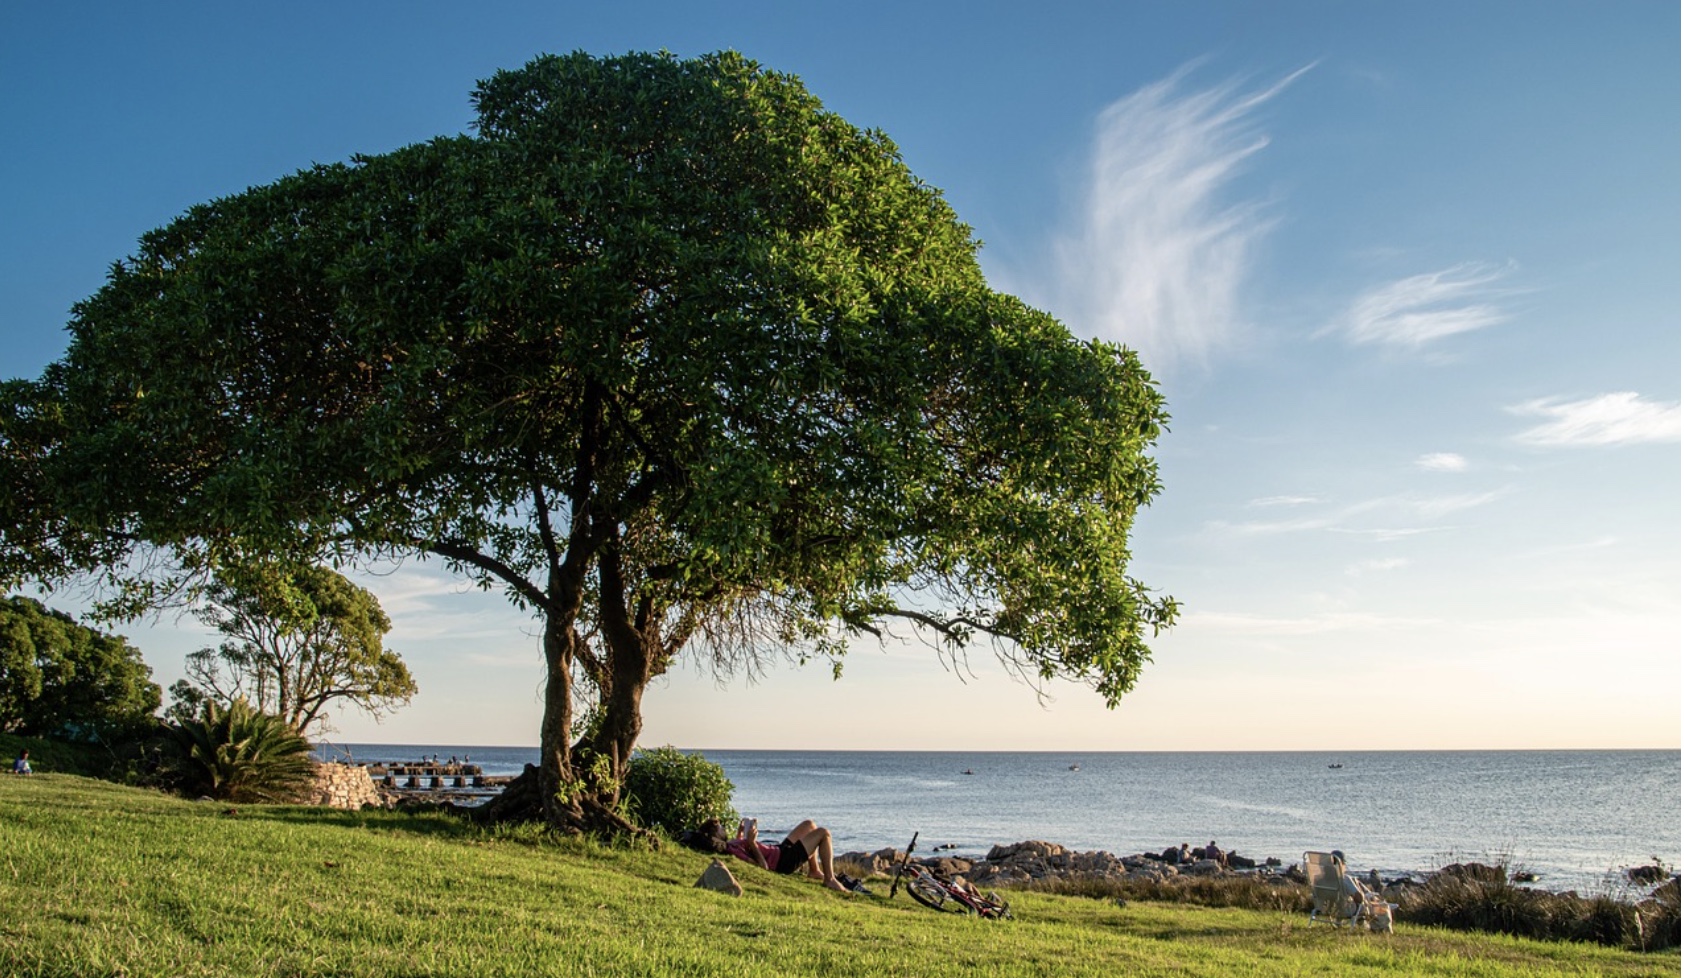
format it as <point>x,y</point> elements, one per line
<point>666,351</point>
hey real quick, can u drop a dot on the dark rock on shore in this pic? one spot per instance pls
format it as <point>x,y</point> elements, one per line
<point>1475,872</point>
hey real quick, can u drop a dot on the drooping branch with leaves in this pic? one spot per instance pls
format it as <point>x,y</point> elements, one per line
<point>667,352</point>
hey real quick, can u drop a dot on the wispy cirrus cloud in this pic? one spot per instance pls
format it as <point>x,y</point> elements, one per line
<point>1160,254</point>
<point>1622,418</point>
<point>1376,566</point>
<point>1437,507</point>
<point>1252,624</point>
<point>1415,311</point>
<point>1442,462</point>
<point>1269,502</point>
<point>1384,518</point>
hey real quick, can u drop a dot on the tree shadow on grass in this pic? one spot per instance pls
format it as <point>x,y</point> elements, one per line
<point>436,824</point>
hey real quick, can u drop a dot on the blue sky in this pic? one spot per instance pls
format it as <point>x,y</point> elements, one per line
<point>1408,275</point>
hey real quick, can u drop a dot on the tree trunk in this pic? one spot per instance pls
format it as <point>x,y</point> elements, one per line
<point>555,760</point>
<point>562,790</point>
<point>634,651</point>
<point>631,661</point>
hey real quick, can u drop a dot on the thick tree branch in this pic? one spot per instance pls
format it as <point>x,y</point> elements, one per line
<point>463,554</point>
<point>957,630</point>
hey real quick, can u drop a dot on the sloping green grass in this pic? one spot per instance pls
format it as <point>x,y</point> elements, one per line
<point>99,879</point>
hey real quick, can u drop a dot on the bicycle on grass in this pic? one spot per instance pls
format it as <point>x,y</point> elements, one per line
<point>954,896</point>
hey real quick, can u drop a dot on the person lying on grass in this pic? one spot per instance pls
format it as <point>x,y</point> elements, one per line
<point>807,845</point>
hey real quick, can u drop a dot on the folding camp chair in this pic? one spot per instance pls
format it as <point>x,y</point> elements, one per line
<point>1335,901</point>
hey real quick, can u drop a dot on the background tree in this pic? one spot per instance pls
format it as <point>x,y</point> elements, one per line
<point>666,351</point>
<point>59,677</point>
<point>300,637</point>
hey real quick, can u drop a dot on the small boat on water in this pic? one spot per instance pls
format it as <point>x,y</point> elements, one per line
<point>1075,767</point>
<point>1336,765</point>
<point>968,771</point>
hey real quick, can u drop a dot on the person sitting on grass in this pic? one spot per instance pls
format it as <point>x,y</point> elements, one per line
<point>807,845</point>
<point>21,765</point>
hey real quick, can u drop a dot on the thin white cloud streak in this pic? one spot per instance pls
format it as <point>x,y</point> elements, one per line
<point>1376,566</point>
<point>1272,501</point>
<point>1415,311</point>
<point>1160,257</point>
<point>1429,508</point>
<point>1622,418</point>
<point>1437,507</point>
<point>1442,462</point>
<point>1241,623</point>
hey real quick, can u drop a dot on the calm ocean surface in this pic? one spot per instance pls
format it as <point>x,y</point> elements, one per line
<point>1573,817</point>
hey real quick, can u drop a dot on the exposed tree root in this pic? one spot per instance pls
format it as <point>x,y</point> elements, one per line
<point>522,800</point>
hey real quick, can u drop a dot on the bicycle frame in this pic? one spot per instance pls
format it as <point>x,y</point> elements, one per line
<point>934,892</point>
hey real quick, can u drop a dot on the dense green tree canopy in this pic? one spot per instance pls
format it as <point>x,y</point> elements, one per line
<point>299,638</point>
<point>60,677</point>
<point>667,351</point>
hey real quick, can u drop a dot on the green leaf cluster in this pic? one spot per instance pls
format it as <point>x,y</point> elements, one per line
<point>675,790</point>
<point>236,753</point>
<point>61,678</point>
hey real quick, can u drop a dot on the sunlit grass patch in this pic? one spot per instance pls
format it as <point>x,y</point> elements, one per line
<point>98,879</point>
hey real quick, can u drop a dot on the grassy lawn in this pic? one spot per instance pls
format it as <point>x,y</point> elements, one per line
<point>99,879</point>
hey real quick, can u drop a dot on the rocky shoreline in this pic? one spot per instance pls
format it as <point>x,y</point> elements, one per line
<point>1034,861</point>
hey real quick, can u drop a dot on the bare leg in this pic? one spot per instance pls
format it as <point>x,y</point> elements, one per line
<point>816,840</point>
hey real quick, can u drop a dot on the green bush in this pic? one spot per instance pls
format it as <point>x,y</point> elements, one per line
<point>235,753</point>
<point>673,791</point>
<point>1247,892</point>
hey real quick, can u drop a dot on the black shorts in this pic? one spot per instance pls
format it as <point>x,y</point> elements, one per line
<point>792,855</point>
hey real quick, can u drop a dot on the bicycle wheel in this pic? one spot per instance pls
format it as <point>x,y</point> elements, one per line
<point>931,894</point>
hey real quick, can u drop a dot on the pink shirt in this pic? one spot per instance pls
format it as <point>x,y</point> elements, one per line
<point>739,848</point>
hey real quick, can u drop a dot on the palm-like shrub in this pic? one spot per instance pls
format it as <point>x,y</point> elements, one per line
<point>235,753</point>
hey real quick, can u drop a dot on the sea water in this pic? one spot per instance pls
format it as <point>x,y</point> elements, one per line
<point>1575,818</point>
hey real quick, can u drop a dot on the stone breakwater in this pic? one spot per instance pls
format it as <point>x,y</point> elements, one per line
<point>341,784</point>
<point>346,786</point>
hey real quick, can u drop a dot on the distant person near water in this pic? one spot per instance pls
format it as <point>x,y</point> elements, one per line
<point>21,765</point>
